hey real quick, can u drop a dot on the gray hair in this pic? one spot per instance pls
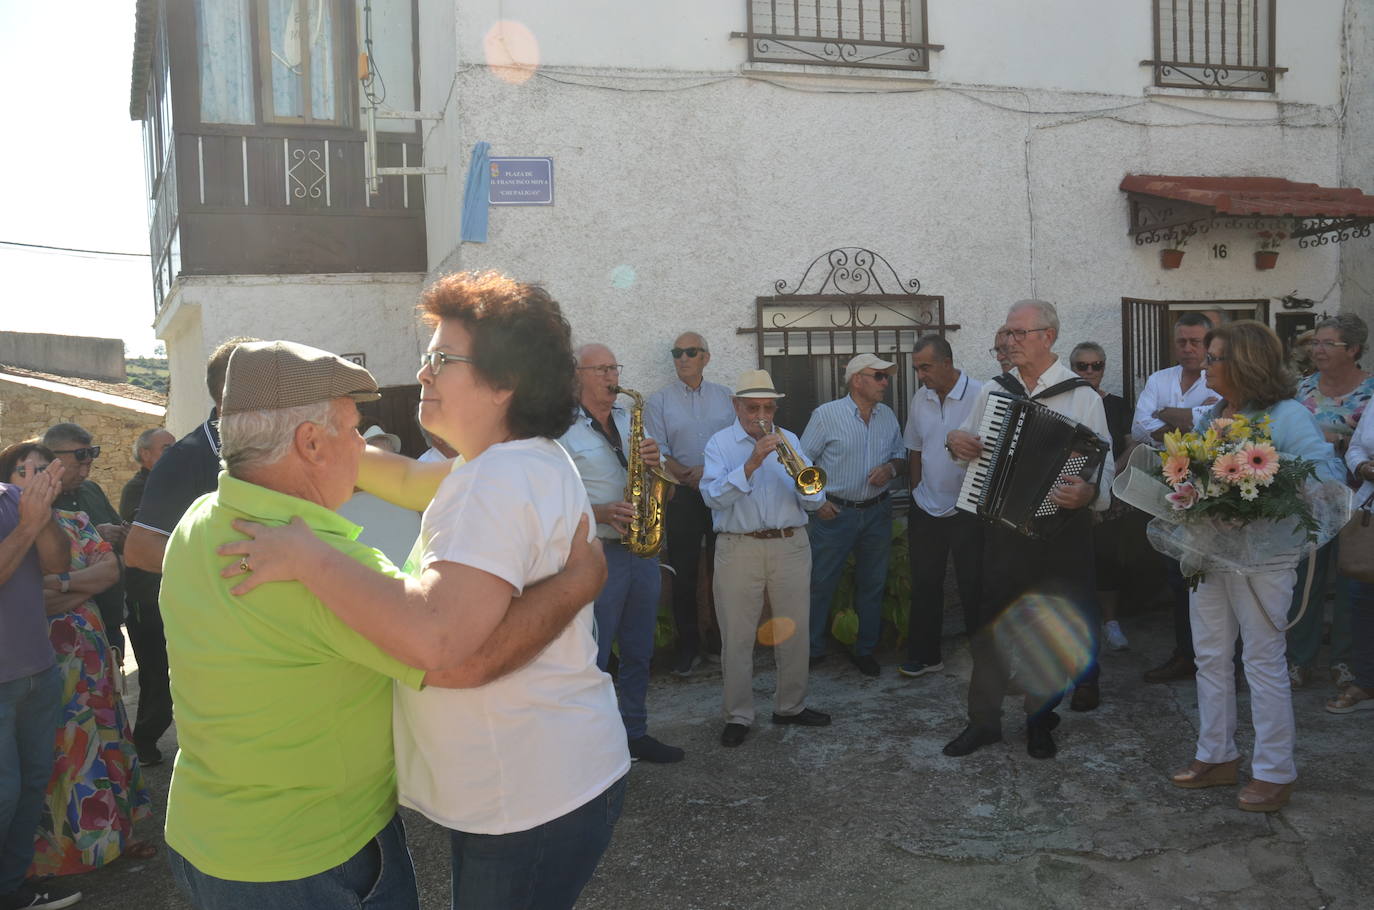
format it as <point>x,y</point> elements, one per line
<point>1088,346</point>
<point>256,439</point>
<point>938,342</point>
<point>1048,314</point>
<point>1351,328</point>
<point>66,432</point>
<point>705,345</point>
<point>144,442</point>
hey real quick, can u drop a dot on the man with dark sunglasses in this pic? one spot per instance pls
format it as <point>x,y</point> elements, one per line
<point>857,441</point>
<point>74,447</point>
<point>683,416</point>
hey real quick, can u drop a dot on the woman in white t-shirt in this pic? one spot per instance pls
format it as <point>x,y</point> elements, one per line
<point>527,771</point>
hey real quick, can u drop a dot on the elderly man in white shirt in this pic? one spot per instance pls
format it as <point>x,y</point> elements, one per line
<point>935,528</point>
<point>1037,592</point>
<point>683,416</point>
<point>857,441</point>
<point>759,517</point>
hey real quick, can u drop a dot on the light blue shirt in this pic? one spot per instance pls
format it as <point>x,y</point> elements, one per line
<point>683,419</point>
<point>769,499</point>
<point>848,449</point>
<point>928,423</point>
<point>597,464</point>
<point>1295,432</point>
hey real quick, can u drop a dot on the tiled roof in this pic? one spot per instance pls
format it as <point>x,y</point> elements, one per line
<point>145,23</point>
<point>1256,196</point>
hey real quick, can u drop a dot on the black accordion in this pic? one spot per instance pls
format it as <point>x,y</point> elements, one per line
<point>1027,447</point>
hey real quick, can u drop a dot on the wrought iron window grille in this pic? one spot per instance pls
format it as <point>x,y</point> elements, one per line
<point>848,301</point>
<point>1222,45</point>
<point>868,34</point>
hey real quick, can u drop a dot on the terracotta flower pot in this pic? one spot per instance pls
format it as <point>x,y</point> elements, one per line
<point>1266,259</point>
<point>1170,259</point>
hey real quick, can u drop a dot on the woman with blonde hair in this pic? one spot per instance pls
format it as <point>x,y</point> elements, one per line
<point>1245,366</point>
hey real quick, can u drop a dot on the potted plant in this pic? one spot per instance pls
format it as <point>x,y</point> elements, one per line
<point>1267,256</point>
<point>1172,257</point>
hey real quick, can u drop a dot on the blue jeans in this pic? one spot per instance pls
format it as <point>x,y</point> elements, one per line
<point>543,868</point>
<point>380,876</point>
<point>867,533</point>
<point>627,611</point>
<point>30,711</point>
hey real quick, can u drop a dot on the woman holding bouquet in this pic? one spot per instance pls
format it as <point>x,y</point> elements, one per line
<point>1245,366</point>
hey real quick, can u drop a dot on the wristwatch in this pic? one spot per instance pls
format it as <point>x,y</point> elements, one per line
<point>66,579</point>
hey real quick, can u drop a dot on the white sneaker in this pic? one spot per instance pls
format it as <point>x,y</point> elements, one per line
<point>1341,675</point>
<point>1116,639</point>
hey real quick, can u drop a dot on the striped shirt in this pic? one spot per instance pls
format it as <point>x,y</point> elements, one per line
<point>848,449</point>
<point>683,419</point>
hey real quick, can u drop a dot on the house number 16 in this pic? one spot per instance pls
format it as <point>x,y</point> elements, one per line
<point>1218,251</point>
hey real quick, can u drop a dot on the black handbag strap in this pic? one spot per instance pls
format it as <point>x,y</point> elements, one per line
<point>1012,385</point>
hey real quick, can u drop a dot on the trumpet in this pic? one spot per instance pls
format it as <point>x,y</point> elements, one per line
<point>808,478</point>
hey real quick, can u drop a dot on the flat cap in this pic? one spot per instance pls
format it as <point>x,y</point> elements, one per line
<point>270,375</point>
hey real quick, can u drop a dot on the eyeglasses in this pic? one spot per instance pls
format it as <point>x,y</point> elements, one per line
<point>686,352</point>
<point>1321,345</point>
<point>877,377</point>
<point>23,470</point>
<point>89,453</point>
<point>606,369</point>
<point>435,360</point>
<point>1020,334</point>
<point>1095,365</point>
<point>1212,358</point>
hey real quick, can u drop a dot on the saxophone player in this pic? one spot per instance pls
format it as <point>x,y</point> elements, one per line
<point>759,512</point>
<point>627,608</point>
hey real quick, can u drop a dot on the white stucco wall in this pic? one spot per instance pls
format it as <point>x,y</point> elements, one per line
<point>368,313</point>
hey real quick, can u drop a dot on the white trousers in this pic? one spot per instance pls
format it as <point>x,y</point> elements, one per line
<point>1221,605</point>
<point>746,567</point>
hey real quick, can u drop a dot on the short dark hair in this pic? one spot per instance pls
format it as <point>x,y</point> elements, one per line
<point>938,342</point>
<point>520,341</point>
<point>1194,319</point>
<point>1254,363</point>
<point>218,366</point>
<point>10,458</point>
<point>66,432</point>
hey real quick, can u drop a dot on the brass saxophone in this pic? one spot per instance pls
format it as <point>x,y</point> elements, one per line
<point>645,488</point>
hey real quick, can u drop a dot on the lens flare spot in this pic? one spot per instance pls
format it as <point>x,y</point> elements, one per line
<point>1047,641</point>
<point>512,51</point>
<point>776,631</point>
<point>622,276</point>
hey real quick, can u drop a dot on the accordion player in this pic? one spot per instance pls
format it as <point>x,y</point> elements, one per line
<point>1027,447</point>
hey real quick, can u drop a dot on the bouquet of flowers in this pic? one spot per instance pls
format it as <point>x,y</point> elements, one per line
<point>1233,472</point>
<point>1227,500</point>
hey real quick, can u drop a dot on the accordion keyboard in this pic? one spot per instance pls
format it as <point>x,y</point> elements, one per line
<point>980,472</point>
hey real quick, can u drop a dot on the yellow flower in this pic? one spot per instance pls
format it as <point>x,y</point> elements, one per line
<point>1174,444</point>
<point>1240,428</point>
<point>1210,443</point>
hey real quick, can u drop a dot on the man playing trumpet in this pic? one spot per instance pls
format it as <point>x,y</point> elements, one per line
<point>759,514</point>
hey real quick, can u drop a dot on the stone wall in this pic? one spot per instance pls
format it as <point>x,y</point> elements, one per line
<point>27,409</point>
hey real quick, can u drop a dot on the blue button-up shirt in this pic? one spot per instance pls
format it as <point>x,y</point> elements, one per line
<point>683,419</point>
<point>601,471</point>
<point>848,449</point>
<point>767,500</point>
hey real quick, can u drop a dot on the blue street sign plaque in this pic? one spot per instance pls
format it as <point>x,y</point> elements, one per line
<point>521,181</point>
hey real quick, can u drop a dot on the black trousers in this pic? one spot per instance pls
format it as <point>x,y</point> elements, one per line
<point>1039,606</point>
<point>688,522</point>
<point>930,541</point>
<point>143,623</point>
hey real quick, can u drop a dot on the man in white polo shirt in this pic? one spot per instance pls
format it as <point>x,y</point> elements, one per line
<point>935,529</point>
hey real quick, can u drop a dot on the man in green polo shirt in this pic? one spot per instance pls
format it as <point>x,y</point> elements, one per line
<point>284,791</point>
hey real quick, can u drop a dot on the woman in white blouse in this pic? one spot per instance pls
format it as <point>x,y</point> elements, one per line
<point>527,771</point>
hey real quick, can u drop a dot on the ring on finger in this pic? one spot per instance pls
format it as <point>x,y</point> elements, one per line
<point>243,565</point>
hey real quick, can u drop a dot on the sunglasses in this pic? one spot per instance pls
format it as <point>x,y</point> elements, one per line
<point>877,377</point>
<point>435,360</point>
<point>685,352</point>
<point>1096,366</point>
<point>1211,359</point>
<point>23,470</point>
<point>83,455</point>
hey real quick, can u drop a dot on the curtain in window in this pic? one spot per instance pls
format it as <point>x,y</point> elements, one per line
<point>226,60</point>
<point>321,40</point>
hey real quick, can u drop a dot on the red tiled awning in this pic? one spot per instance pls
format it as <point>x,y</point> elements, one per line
<point>1260,197</point>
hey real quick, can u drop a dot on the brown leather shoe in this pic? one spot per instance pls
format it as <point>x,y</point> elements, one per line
<point>1175,667</point>
<point>1262,796</point>
<point>1201,774</point>
<point>1085,697</point>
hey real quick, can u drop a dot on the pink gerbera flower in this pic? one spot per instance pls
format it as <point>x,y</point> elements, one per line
<point>1228,468</point>
<point>1261,461</point>
<point>1176,468</point>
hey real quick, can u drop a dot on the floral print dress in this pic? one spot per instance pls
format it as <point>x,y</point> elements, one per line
<point>96,791</point>
<point>1339,415</point>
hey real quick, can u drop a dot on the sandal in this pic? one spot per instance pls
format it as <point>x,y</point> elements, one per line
<point>142,849</point>
<point>1263,796</point>
<point>1351,699</point>
<point>1201,774</point>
